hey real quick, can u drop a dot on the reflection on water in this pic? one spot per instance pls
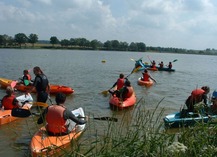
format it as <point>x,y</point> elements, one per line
<point>88,76</point>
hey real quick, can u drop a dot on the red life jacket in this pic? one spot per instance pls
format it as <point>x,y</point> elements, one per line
<point>146,77</point>
<point>120,83</point>
<point>55,120</point>
<point>130,92</point>
<point>29,77</point>
<point>7,102</point>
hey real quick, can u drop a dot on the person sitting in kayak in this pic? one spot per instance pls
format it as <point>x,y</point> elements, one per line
<point>197,97</point>
<point>170,65</point>
<point>153,64</point>
<point>9,101</point>
<point>213,107</point>
<point>59,118</point>
<point>161,64</point>
<point>146,76</point>
<point>119,82</point>
<point>26,79</point>
<point>127,91</point>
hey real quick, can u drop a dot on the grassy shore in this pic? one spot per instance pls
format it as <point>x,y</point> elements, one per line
<point>144,136</point>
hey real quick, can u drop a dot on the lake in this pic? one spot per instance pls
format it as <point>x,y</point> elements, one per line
<point>88,76</point>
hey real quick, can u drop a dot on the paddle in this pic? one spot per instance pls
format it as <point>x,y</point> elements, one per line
<point>13,84</point>
<point>173,61</point>
<point>103,118</point>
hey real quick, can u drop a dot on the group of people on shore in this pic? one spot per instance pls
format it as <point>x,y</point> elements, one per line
<point>57,117</point>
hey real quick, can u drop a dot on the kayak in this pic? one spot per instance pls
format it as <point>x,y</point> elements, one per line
<point>175,120</point>
<point>152,69</point>
<point>43,144</point>
<point>54,89</point>
<point>116,103</point>
<point>6,116</point>
<point>166,69</point>
<point>145,83</point>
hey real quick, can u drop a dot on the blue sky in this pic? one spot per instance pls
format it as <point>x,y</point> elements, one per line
<point>188,24</point>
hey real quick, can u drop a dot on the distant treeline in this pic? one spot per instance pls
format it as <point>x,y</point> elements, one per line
<point>20,40</point>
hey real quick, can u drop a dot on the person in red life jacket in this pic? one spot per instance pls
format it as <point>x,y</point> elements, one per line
<point>9,101</point>
<point>59,118</point>
<point>170,65</point>
<point>161,64</point>
<point>146,76</point>
<point>197,96</point>
<point>127,91</point>
<point>26,79</point>
<point>41,85</point>
<point>119,83</point>
<point>153,64</point>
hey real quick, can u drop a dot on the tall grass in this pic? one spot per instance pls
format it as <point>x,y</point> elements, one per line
<point>144,136</point>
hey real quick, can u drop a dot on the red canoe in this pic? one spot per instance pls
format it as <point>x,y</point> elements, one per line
<point>145,83</point>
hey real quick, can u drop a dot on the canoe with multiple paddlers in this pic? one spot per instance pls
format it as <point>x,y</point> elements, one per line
<point>6,115</point>
<point>43,144</point>
<point>145,83</point>
<point>54,89</point>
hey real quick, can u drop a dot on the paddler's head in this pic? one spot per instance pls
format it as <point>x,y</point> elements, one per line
<point>60,98</point>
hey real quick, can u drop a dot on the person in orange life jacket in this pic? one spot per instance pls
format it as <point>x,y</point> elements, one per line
<point>161,64</point>
<point>9,101</point>
<point>196,96</point>
<point>146,76</point>
<point>205,97</point>
<point>127,91</point>
<point>59,118</point>
<point>170,65</point>
<point>41,85</point>
<point>213,107</point>
<point>26,79</point>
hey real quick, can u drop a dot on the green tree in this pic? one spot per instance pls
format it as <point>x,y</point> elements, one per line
<point>20,38</point>
<point>115,44</point>
<point>141,46</point>
<point>33,38</point>
<point>54,40</point>
<point>133,47</point>
<point>2,40</point>
<point>108,45</point>
<point>95,44</point>
<point>65,42</point>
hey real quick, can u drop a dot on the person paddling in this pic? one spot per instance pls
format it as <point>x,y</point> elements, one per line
<point>146,76</point>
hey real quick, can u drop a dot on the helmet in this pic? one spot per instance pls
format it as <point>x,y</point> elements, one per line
<point>197,92</point>
<point>214,94</point>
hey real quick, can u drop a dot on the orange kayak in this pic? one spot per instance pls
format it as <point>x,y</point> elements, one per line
<point>54,89</point>
<point>116,103</point>
<point>5,115</point>
<point>145,83</point>
<point>43,144</point>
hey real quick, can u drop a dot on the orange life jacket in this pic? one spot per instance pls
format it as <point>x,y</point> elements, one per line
<point>120,83</point>
<point>130,92</point>
<point>146,77</point>
<point>7,102</point>
<point>55,120</point>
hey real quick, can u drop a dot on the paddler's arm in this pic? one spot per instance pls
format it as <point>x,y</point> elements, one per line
<point>69,115</point>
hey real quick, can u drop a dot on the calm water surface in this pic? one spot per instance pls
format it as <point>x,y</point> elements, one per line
<point>88,76</point>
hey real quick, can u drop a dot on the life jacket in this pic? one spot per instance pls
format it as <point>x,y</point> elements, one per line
<point>130,92</point>
<point>7,102</point>
<point>55,120</point>
<point>27,77</point>
<point>42,85</point>
<point>120,83</point>
<point>197,92</point>
<point>146,77</point>
<point>170,66</point>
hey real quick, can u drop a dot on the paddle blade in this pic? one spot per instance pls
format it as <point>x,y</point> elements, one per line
<point>13,84</point>
<point>175,60</point>
<point>19,112</point>
<point>106,119</point>
<point>40,104</point>
<point>105,92</point>
<point>136,69</point>
<point>26,82</point>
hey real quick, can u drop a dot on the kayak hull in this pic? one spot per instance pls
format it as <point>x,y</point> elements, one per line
<point>43,144</point>
<point>54,89</point>
<point>116,103</point>
<point>145,83</point>
<point>175,120</point>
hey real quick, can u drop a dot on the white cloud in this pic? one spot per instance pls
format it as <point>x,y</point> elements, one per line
<point>181,23</point>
